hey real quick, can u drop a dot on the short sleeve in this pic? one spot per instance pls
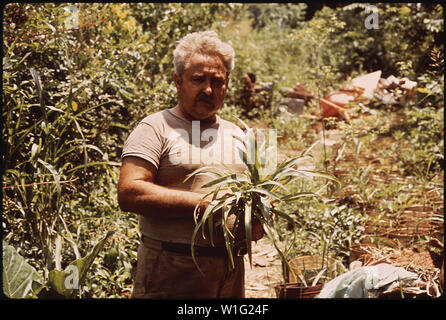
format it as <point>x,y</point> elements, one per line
<point>144,142</point>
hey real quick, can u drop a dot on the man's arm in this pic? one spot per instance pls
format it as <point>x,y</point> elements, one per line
<point>138,193</point>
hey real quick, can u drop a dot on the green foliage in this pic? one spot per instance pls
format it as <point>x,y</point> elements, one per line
<point>282,15</point>
<point>406,33</point>
<point>51,147</point>
<point>269,52</point>
<point>71,95</point>
<point>425,132</point>
<point>21,280</point>
<point>76,270</point>
<point>323,227</point>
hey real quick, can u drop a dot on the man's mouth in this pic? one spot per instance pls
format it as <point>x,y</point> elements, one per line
<point>206,101</point>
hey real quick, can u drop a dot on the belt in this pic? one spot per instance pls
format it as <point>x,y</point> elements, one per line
<point>184,249</point>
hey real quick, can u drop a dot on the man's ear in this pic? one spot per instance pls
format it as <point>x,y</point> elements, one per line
<point>177,80</point>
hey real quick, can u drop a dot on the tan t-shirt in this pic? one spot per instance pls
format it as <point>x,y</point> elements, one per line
<point>177,147</point>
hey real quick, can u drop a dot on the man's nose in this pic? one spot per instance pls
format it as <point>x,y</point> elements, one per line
<point>207,90</point>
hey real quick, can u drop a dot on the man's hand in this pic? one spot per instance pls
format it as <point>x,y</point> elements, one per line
<point>256,230</point>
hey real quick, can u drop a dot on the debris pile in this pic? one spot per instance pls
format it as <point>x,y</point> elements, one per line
<point>362,89</point>
<point>336,103</point>
<point>299,92</point>
<point>393,90</point>
<point>297,98</point>
<point>390,90</point>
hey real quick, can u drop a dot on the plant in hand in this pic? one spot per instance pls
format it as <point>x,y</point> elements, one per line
<point>250,196</point>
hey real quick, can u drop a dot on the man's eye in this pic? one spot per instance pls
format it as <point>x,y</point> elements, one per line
<point>219,82</point>
<point>197,79</point>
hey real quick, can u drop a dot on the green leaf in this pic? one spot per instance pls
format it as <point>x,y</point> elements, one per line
<point>197,228</point>
<point>66,282</point>
<point>20,280</point>
<point>263,209</point>
<point>54,173</point>
<point>252,160</point>
<point>264,192</point>
<point>294,196</point>
<point>227,211</point>
<point>232,178</point>
<point>273,184</point>
<point>36,78</point>
<point>50,26</point>
<point>210,219</point>
<point>88,165</point>
<point>209,174</point>
<point>79,129</point>
<point>229,237</point>
<point>34,149</point>
<point>85,263</point>
<point>283,215</point>
<point>322,174</point>
<point>273,237</point>
<point>57,283</point>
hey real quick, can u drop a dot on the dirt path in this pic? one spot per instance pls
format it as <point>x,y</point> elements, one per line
<point>266,270</point>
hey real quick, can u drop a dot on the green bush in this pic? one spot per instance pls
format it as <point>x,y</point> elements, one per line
<point>71,96</point>
<point>323,228</point>
<point>406,33</point>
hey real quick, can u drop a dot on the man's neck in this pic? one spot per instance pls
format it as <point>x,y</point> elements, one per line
<point>207,122</point>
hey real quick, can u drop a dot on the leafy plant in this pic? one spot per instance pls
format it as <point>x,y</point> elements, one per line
<point>21,280</point>
<point>251,195</point>
<point>70,97</point>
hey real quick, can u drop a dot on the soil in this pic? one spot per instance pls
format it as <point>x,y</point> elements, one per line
<point>416,257</point>
<point>265,273</point>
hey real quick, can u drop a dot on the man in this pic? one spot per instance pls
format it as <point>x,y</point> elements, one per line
<point>158,155</point>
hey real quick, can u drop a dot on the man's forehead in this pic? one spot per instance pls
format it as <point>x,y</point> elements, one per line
<point>199,63</point>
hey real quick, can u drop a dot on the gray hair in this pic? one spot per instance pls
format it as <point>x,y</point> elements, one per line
<point>205,42</point>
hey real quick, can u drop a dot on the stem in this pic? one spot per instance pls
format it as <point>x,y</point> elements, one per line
<point>323,125</point>
<point>39,183</point>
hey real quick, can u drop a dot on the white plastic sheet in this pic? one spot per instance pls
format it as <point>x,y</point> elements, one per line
<point>366,282</point>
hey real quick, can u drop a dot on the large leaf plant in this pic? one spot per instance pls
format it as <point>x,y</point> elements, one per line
<point>250,195</point>
<point>21,280</point>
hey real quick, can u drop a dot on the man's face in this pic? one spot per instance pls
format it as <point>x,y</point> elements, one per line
<point>202,86</point>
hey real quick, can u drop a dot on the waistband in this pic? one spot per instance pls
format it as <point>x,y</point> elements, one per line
<point>182,248</point>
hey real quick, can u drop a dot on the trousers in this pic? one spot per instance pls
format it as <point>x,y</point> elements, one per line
<point>163,274</point>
